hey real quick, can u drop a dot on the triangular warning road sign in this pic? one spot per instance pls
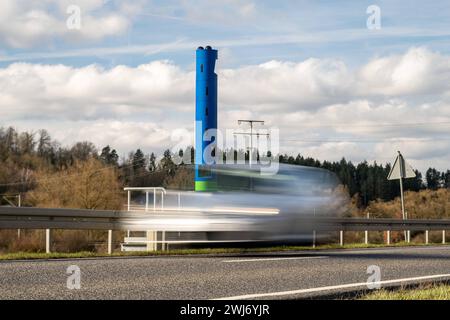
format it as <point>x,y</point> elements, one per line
<point>401,169</point>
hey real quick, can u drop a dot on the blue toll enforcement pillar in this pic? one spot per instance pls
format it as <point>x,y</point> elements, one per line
<point>205,115</point>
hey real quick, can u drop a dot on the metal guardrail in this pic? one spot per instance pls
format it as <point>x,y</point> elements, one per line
<point>187,221</point>
<point>383,224</point>
<point>42,218</point>
<point>79,219</point>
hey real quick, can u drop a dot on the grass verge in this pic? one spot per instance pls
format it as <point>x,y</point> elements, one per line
<point>194,251</point>
<point>430,292</point>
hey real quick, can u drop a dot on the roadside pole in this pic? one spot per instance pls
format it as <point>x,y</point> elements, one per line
<point>403,208</point>
<point>401,170</point>
<point>401,193</point>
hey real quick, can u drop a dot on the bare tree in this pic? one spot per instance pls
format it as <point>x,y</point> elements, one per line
<point>44,145</point>
<point>83,150</point>
<point>87,185</point>
<point>26,143</point>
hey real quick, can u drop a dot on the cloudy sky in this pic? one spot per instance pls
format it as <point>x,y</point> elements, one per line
<point>334,87</point>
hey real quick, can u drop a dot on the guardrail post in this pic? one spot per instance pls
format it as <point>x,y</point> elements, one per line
<point>366,233</point>
<point>426,237</point>
<point>152,238</point>
<point>19,204</point>
<point>47,240</point>
<point>443,236</point>
<point>109,241</point>
<point>163,238</point>
<point>341,237</point>
<point>388,237</point>
<point>314,238</point>
<point>408,236</point>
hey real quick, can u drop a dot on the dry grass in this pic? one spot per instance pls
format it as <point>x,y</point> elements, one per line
<point>425,204</point>
<point>63,241</point>
<point>30,241</point>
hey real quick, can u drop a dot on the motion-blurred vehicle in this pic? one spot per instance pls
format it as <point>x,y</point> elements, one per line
<point>250,206</point>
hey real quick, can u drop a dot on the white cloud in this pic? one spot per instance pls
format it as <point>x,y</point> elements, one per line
<point>24,24</point>
<point>58,91</point>
<point>290,86</point>
<point>323,108</point>
<point>419,71</point>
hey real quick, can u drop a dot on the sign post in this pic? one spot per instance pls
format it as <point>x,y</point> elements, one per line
<point>401,170</point>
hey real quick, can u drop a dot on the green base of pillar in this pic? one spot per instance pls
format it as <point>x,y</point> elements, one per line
<point>205,186</point>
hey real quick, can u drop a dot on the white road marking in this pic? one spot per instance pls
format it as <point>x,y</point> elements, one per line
<point>328,288</point>
<point>274,259</point>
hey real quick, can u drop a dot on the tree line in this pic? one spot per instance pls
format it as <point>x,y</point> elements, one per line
<point>368,181</point>
<point>26,157</point>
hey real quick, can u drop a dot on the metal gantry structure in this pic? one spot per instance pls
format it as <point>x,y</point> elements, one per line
<point>251,134</point>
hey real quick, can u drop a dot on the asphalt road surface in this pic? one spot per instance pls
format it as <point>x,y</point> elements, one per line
<point>263,276</point>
